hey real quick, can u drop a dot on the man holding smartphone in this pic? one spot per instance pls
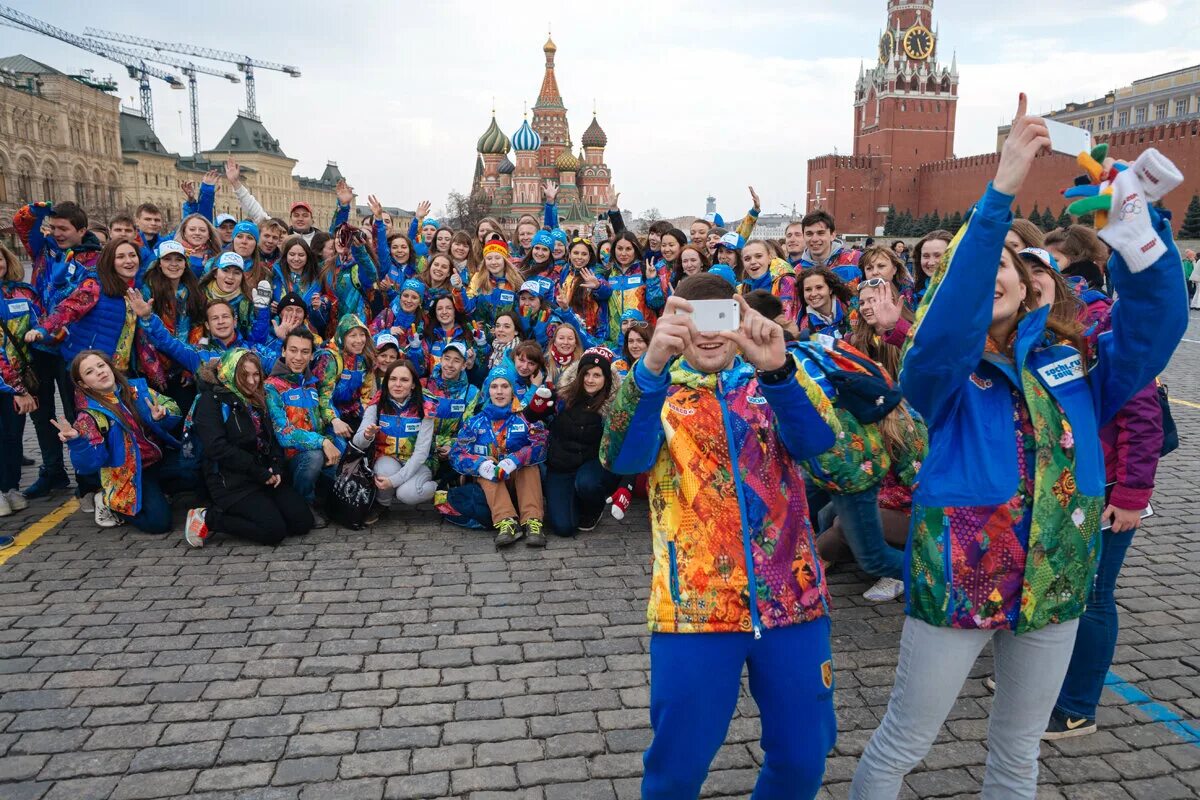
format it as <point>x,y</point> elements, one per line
<point>736,579</point>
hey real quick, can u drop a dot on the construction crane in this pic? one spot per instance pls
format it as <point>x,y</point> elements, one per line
<point>189,71</point>
<point>138,69</point>
<point>245,64</point>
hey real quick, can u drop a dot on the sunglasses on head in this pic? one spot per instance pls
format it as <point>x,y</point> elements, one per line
<point>873,283</point>
<point>580,240</point>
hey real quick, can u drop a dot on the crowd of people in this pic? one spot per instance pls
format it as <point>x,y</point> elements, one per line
<point>986,455</point>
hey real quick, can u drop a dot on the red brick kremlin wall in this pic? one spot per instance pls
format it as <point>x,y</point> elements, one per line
<point>954,184</point>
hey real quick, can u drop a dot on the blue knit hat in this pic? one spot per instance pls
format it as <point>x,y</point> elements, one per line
<point>415,285</point>
<point>505,370</point>
<point>560,236</point>
<point>633,314</point>
<point>246,226</point>
<point>725,271</point>
<point>544,239</point>
<point>431,222</point>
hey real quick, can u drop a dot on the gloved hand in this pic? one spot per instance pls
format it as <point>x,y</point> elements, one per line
<point>455,280</point>
<point>542,400</point>
<point>262,295</point>
<point>487,470</point>
<point>1121,195</point>
<point>414,341</point>
<point>507,467</point>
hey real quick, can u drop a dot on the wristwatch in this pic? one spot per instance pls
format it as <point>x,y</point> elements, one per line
<point>787,371</point>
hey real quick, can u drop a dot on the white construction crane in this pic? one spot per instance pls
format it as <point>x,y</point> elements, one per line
<point>189,71</point>
<point>244,63</point>
<point>138,69</point>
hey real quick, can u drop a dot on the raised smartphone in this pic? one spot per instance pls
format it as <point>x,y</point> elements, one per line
<point>1067,139</point>
<point>710,316</point>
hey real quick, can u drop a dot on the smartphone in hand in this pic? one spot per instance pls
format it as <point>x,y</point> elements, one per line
<point>710,316</point>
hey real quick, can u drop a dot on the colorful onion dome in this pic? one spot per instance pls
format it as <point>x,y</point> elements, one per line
<point>493,141</point>
<point>526,138</point>
<point>594,136</point>
<point>566,162</point>
<point>506,167</point>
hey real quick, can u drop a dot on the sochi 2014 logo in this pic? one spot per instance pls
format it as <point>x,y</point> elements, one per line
<point>1131,206</point>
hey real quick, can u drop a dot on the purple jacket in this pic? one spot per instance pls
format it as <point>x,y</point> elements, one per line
<point>1133,439</point>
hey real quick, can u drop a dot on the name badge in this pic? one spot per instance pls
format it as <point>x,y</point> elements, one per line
<point>756,400</point>
<point>412,427</point>
<point>481,450</point>
<point>458,408</point>
<point>507,297</point>
<point>347,374</point>
<point>1062,371</point>
<point>635,280</point>
<point>18,307</point>
<point>517,428</point>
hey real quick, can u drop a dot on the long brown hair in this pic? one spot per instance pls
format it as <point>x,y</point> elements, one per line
<point>122,389</point>
<point>111,283</point>
<point>162,294</point>
<point>1029,234</point>
<point>11,268</point>
<point>900,278</point>
<point>574,393</point>
<point>1068,330</point>
<point>865,339</point>
<point>312,262</point>
<point>257,397</point>
<point>473,259</point>
<point>426,277</point>
<point>837,287</point>
<point>214,240</point>
<point>922,280</point>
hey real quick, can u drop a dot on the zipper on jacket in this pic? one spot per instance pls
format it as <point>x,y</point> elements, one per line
<point>752,582</point>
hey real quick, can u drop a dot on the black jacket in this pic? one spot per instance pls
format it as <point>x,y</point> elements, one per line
<point>574,438</point>
<point>235,461</point>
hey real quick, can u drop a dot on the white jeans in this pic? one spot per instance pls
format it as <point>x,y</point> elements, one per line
<point>934,664</point>
<point>417,489</point>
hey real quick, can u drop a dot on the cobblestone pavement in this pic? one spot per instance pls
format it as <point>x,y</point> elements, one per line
<point>416,661</point>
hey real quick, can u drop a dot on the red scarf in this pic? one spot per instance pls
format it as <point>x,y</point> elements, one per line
<point>562,359</point>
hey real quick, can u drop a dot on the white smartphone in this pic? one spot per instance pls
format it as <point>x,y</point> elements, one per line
<point>1067,139</point>
<point>710,316</point>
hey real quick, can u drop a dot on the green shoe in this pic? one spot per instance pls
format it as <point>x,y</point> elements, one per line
<point>507,532</point>
<point>533,534</point>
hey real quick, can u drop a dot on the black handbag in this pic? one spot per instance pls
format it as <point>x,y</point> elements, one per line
<point>1170,432</point>
<point>353,488</point>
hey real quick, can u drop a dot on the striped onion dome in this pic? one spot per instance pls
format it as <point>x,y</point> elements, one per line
<point>526,138</point>
<point>506,167</point>
<point>493,141</point>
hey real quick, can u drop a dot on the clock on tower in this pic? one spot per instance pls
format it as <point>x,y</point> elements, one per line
<point>887,45</point>
<point>918,42</point>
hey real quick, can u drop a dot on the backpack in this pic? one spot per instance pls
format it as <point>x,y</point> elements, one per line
<point>353,488</point>
<point>859,385</point>
<point>191,449</point>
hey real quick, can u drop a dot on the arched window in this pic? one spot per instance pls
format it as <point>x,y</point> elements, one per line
<point>49,178</point>
<point>915,84</point>
<point>931,85</point>
<point>945,84</point>
<point>3,184</point>
<point>25,181</point>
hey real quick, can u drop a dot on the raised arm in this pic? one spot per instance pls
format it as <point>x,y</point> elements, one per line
<point>254,211</point>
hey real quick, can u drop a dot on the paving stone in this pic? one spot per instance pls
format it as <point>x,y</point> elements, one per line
<point>412,787</point>
<point>154,785</point>
<point>306,770</point>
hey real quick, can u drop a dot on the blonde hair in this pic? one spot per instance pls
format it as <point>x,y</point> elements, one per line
<point>214,239</point>
<point>13,269</point>
<point>481,282</point>
<point>1029,234</point>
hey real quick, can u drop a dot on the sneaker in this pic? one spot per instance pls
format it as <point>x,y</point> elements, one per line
<point>507,532</point>
<point>16,500</point>
<point>104,517</point>
<point>590,523</point>
<point>196,529</point>
<point>376,513</point>
<point>87,503</point>
<point>885,590</point>
<point>989,683</point>
<point>46,485</point>
<point>319,521</point>
<point>5,508</point>
<point>534,537</point>
<point>1064,726</point>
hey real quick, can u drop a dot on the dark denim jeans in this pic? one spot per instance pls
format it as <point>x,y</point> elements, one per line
<point>572,496</point>
<point>1097,637</point>
<point>858,514</point>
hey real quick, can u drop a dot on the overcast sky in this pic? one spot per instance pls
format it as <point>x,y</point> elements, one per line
<point>697,97</point>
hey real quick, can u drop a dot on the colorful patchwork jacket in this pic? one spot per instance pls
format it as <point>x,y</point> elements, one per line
<point>345,381</point>
<point>1006,512</point>
<point>497,433</point>
<point>56,272</point>
<point>109,445</point>
<point>779,280</point>
<point>296,411</point>
<point>841,259</point>
<point>20,310</point>
<point>733,546</point>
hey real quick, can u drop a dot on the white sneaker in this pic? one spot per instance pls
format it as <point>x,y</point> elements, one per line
<point>5,508</point>
<point>885,590</point>
<point>16,500</point>
<point>103,516</point>
<point>87,503</point>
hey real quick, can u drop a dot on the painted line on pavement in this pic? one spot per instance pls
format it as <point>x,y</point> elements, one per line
<point>1157,712</point>
<point>35,531</point>
<point>1190,341</point>
<point>1187,403</point>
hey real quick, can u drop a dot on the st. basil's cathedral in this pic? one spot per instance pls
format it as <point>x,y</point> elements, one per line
<point>542,150</point>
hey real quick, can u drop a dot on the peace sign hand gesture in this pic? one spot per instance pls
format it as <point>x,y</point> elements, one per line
<point>66,431</point>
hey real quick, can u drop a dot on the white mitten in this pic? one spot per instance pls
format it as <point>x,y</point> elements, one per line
<point>455,280</point>
<point>508,467</point>
<point>1156,173</point>
<point>1129,230</point>
<point>262,294</point>
<point>487,470</point>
